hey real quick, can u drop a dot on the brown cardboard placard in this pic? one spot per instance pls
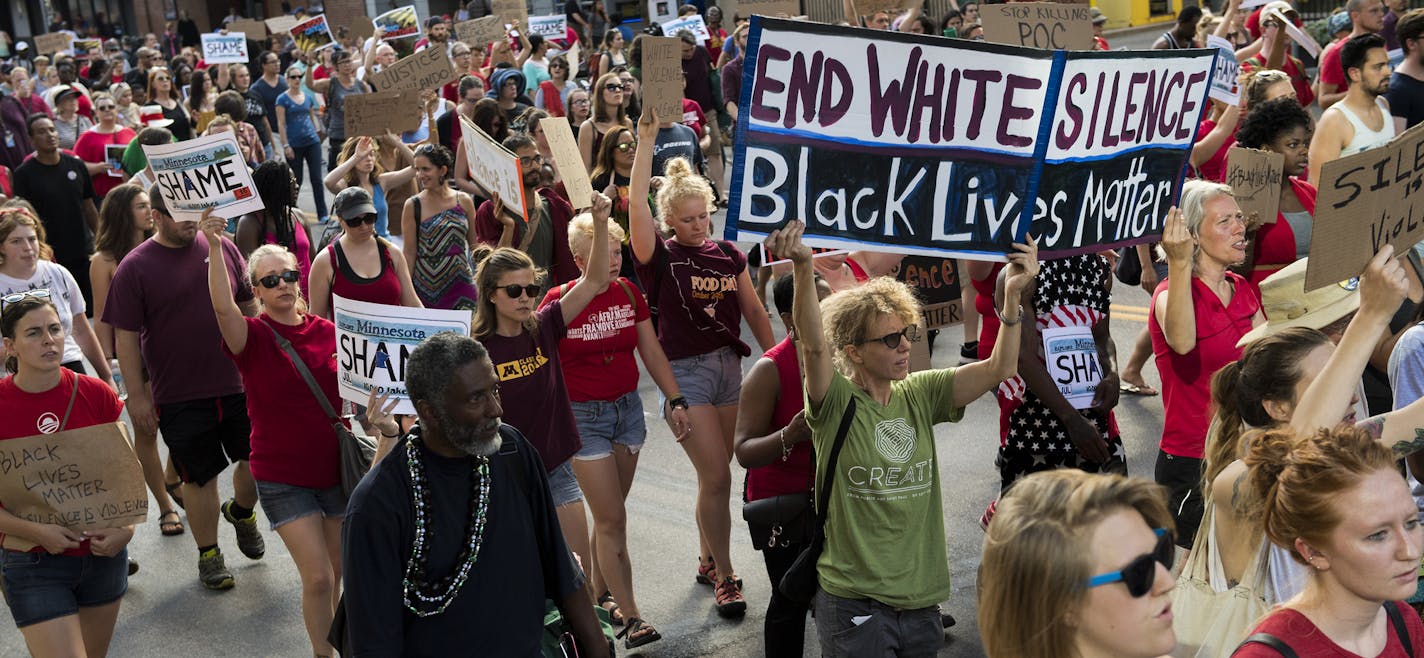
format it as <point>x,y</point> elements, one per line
<point>280,24</point>
<point>361,28</point>
<point>662,77</point>
<point>510,11</point>
<point>564,146</point>
<point>1045,25</point>
<point>1255,180</point>
<point>424,69</point>
<point>1365,201</point>
<point>480,32</point>
<point>81,479</point>
<point>374,114</point>
<point>254,29</point>
<point>769,7</point>
<point>870,7</point>
<point>53,42</point>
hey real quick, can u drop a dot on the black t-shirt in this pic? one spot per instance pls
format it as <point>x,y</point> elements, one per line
<point>1406,98</point>
<point>572,9</point>
<point>523,559</point>
<point>58,192</point>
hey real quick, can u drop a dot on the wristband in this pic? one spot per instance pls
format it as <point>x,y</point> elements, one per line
<point>1005,321</point>
<point>677,402</point>
<point>397,435</point>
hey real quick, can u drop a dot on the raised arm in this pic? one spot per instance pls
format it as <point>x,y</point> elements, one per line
<point>231,322</point>
<point>816,360</point>
<point>1213,141</point>
<point>334,179</point>
<point>595,275</point>
<point>1173,307</point>
<point>319,86</point>
<point>393,179</point>
<point>978,378</point>
<point>643,234</point>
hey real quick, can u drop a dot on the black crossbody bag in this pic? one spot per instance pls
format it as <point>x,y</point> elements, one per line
<point>800,582</point>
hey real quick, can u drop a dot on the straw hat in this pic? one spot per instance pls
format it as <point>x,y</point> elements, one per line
<point>1287,304</point>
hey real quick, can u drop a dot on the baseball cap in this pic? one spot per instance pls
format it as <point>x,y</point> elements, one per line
<point>351,203</point>
<point>1098,17</point>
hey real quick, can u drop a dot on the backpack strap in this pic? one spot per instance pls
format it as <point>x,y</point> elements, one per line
<point>1271,641</point>
<point>627,291</point>
<point>1396,620</point>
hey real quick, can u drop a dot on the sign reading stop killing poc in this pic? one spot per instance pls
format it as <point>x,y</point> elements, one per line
<point>942,147</point>
<point>206,172</point>
<point>374,342</point>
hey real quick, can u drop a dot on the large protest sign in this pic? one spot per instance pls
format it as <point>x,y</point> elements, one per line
<point>510,11</point>
<point>399,23</point>
<point>374,342</point>
<point>429,68</point>
<point>553,26</point>
<point>374,114</point>
<point>312,34</point>
<point>281,24</point>
<point>769,7</point>
<point>230,48</point>
<point>1255,180</point>
<point>564,146</point>
<point>918,144</point>
<point>81,479</point>
<point>493,167</point>
<point>1047,25</point>
<point>662,76</point>
<point>693,24</point>
<point>1225,86</point>
<point>479,32</point>
<point>53,42</point>
<point>1071,357</point>
<point>1365,201</point>
<point>201,173</point>
<point>935,280</point>
<point>254,29</point>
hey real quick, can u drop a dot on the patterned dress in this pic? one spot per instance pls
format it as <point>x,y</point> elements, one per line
<point>442,276</point>
<point>1071,292</point>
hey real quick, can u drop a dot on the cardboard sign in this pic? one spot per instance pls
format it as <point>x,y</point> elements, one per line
<point>1365,201</point>
<point>53,42</point>
<point>1252,4</point>
<point>574,56</point>
<point>693,24</point>
<point>230,48</point>
<point>1071,357</point>
<point>935,281</point>
<point>567,160</point>
<point>1225,72</point>
<point>1298,35</point>
<point>312,34</point>
<point>399,23</point>
<point>494,168</point>
<point>923,145</point>
<point>83,48</point>
<point>1255,180</point>
<point>253,29</point>
<point>429,68</point>
<point>82,479</point>
<point>776,8</point>
<point>360,28</point>
<point>373,114</point>
<point>374,341</point>
<point>510,11</point>
<point>114,158</point>
<point>662,76</point>
<point>204,172</point>
<point>480,32</point>
<point>1047,25</point>
<point>892,7</point>
<point>550,27</point>
<point>281,24</point>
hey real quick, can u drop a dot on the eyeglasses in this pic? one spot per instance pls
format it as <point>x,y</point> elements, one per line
<point>579,101</point>
<point>624,147</point>
<point>104,108</point>
<point>16,297</point>
<point>368,218</point>
<point>274,280</point>
<point>612,87</point>
<point>514,290</point>
<point>892,341</point>
<point>161,78</point>
<point>527,160</point>
<point>1139,574</point>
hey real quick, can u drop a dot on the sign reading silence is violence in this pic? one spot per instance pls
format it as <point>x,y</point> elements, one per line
<point>943,147</point>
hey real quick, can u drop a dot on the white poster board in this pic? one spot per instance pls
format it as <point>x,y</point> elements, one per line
<point>554,26</point>
<point>374,342</point>
<point>230,48</point>
<point>1071,357</point>
<point>201,173</point>
<point>493,167</point>
<point>693,23</point>
<point>1224,71</point>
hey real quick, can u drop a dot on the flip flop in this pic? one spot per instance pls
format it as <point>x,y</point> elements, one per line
<point>170,528</point>
<point>1134,389</point>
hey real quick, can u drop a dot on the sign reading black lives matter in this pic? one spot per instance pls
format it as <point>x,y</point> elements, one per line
<point>915,144</point>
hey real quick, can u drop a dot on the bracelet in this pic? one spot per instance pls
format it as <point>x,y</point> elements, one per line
<point>1005,321</point>
<point>391,436</point>
<point>676,402</point>
<point>785,449</point>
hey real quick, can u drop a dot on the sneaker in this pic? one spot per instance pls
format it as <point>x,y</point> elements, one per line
<point>133,566</point>
<point>969,352</point>
<point>212,571</point>
<point>729,598</point>
<point>249,538</point>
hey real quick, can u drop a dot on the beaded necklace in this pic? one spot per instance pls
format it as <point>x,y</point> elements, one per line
<point>422,597</point>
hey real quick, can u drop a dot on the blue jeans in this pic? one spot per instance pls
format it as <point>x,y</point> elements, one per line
<point>39,587</point>
<point>310,156</point>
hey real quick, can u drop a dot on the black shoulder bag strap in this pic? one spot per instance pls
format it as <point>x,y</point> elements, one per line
<point>830,480</point>
<point>1396,620</point>
<point>302,370</point>
<point>1273,642</point>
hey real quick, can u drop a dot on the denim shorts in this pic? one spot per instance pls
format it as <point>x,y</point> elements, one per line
<point>563,486</point>
<point>284,503</point>
<point>711,379</point>
<point>39,587</point>
<point>602,424</point>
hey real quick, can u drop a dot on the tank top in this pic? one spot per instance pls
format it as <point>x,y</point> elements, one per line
<point>384,288</point>
<point>988,314</point>
<point>336,108</point>
<point>794,474</point>
<point>301,248</point>
<point>1365,138</point>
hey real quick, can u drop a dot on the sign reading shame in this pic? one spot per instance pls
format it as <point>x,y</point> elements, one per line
<point>917,144</point>
<point>1365,201</point>
<point>230,48</point>
<point>1046,25</point>
<point>374,342</point>
<point>1225,72</point>
<point>201,173</point>
<point>81,479</point>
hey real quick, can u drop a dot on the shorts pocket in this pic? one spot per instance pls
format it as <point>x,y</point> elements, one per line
<point>864,639</point>
<point>14,559</point>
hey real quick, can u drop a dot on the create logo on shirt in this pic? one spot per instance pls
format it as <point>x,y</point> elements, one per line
<point>895,439</point>
<point>521,367</point>
<point>48,423</point>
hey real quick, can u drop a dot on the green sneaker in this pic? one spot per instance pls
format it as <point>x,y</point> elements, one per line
<point>212,571</point>
<point>249,538</point>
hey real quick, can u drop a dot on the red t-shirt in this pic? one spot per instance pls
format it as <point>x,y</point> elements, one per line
<point>597,353</point>
<point>792,475</point>
<point>1275,243</point>
<point>1186,378</point>
<point>1214,169</point>
<point>1330,71</point>
<point>90,148</point>
<point>28,414</point>
<point>692,116</point>
<point>531,381</point>
<point>1292,67</point>
<point>1308,641</point>
<point>696,289</point>
<point>292,439</point>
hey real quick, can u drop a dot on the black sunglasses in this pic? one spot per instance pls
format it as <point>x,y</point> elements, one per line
<point>612,87</point>
<point>368,218</point>
<point>514,290</point>
<point>1140,573</point>
<point>892,341</point>
<point>273,280</point>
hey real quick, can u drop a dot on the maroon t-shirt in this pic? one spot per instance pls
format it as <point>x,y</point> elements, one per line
<point>695,289</point>
<point>531,383</point>
<point>162,293</point>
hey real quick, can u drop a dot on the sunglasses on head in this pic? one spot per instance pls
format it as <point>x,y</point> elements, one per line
<point>892,341</point>
<point>273,280</point>
<point>16,297</point>
<point>515,291</point>
<point>368,218</point>
<point>1140,573</point>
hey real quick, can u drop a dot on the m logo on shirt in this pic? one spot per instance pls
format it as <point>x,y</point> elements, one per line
<point>895,439</point>
<point>48,423</point>
<point>521,367</point>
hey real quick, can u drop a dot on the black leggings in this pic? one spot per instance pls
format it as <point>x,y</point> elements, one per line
<point>785,628</point>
